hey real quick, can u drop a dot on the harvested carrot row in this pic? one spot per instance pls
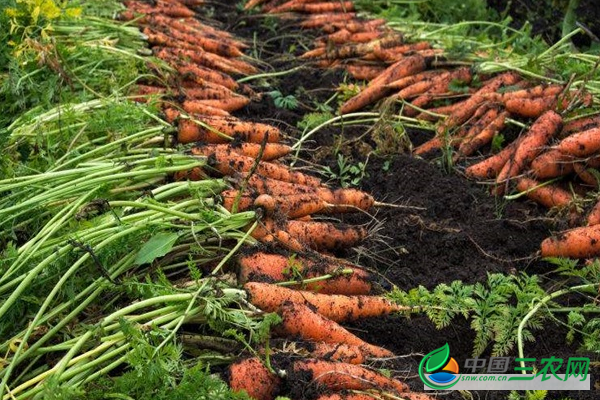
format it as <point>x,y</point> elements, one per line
<point>262,267</point>
<point>300,320</point>
<point>340,376</point>
<point>251,375</point>
<point>335,307</point>
<point>406,67</point>
<point>205,58</point>
<point>580,242</point>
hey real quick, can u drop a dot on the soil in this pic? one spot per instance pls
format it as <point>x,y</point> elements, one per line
<point>447,228</point>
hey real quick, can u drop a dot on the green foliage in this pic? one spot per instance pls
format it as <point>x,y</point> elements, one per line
<point>312,120</point>
<point>528,395</point>
<point>494,308</point>
<point>288,102</point>
<point>346,174</point>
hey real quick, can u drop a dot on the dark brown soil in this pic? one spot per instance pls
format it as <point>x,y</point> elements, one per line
<point>450,229</point>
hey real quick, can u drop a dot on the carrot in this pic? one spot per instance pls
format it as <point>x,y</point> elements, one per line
<point>262,267</point>
<point>325,235</point>
<point>242,202</point>
<point>551,164</point>
<point>271,151</point>
<point>390,54</point>
<point>205,58</point>
<point>578,125</point>
<point>530,107</point>
<point>441,140</point>
<point>585,175</point>
<point>372,93</point>
<point>338,308</point>
<point>580,242</point>
<point>198,73</point>
<point>300,320</point>
<point>360,49</point>
<point>581,144</point>
<point>339,376</point>
<point>253,3</point>
<point>206,93</point>
<point>313,8</point>
<point>530,145</point>
<point>346,353</point>
<point>535,91</point>
<point>254,132</point>
<point>228,164</point>
<point>197,107</point>
<point>229,104</point>
<point>491,166</point>
<point>317,20</point>
<point>469,106</point>
<point>593,217</point>
<point>407,81</point>
<point>292,206</point>
<point>482,135</point>
<point>441,110</point>
<point>252,376</point>
<point>364,72</point>
<point>548,195</point>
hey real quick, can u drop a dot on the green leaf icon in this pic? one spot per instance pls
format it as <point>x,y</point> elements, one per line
<point>437,358</point>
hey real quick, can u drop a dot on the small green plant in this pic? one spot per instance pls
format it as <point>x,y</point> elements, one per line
<point>312,120</point>
<point>347,174</point>
<point>288,102</point>
<point>528,395</point>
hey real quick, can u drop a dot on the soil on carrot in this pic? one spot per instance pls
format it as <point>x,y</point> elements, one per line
<point>446,229</point>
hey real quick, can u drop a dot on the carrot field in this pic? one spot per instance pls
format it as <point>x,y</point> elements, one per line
<point>296,199</point>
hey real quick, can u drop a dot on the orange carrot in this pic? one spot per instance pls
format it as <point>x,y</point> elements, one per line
<point>197,107</point>
<point>206,93</point>
<point>232,198</point>
<point>300,320</point>
<point>335,307</point>
<point>228,164</point>
<point>251,375</point>
<point>292,206</point>
<point>253,3</point>
<point>205,58</point>
<point>530,107</point>
<point>316,8</point>
<point>198,73</point>
<point>340,376</point>
<point>581,242</point>
<point>469,106</point>
<point>551,164</point>
<point>491,166</point>
<point>262,267</point>
<point>364,72</point>
<point>229,104</point>
<point>548,195</point>
<point>593,217</point>
<point>578,125</point>
<point>254,132</point>
<point>271,151</point>
<point>326,235</point>
<point>530,145</point>
<point>482,135</point>
<point>585,175</point>
<point>317,20</point>
<point>392,53</point>
<point>161,7</point>
<point>406,67</point>
<point>581,144</point>
<point>346,353</point>
<point>441,110</point>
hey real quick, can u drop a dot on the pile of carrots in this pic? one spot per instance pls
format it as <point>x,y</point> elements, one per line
<point>312,293</point>
<point>556,145</point>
